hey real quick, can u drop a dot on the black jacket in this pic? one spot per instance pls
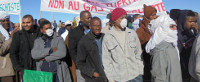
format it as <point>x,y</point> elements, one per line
<point>185,36</point>
<point>88,60</point>
<point>74,36</point>
<point>20,52</point>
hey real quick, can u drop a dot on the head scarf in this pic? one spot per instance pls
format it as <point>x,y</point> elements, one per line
<point>3,31</point>
<point>161,31</point>
<point>3,15</point>
<point>184,34</point>
<point>148,11</point>
<point>174,13</point>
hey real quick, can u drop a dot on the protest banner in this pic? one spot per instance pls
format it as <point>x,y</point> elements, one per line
<point>10,6</point>
<point>99,7</point>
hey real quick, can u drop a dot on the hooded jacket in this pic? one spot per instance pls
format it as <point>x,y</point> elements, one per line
<point>185,36</point>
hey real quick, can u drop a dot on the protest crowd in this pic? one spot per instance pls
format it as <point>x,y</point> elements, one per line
<point>121,48</point>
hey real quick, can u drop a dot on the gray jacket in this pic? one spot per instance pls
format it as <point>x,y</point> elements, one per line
<point>165,63</point>
<point>194,63</point>
<point>122,65</point>
<point>39,52</point>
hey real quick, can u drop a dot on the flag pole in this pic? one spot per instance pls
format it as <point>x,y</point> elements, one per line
<point>40,14</point>
<point>20,17</point>
<point>20,21</point>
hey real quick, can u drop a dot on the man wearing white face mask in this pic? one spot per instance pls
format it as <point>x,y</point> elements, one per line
<point>121,51</point>
<point>49,49</point>
<point>164,52</point>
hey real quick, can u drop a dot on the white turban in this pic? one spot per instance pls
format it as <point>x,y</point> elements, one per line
<point>3,31</point>
<point>3,15</point>
<point>160,28</point>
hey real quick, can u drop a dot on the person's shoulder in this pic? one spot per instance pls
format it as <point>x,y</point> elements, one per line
<point>164,46</point>
<point>133,33</point>
<point>107,36</point>
<point>74,31</point>
<point>57,37</point>
<point>77,28</point>
<point>18,33</point>
<point>38,38</point>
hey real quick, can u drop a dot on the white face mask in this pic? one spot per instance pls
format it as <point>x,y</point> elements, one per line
<point>172,37</point>
<point>123,23</point>
<point>49,32</point>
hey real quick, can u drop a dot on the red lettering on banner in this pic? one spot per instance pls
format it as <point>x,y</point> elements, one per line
<point>159,6</point>
<point>124,2</point>
<point>141,10</point>
<point>118,3</point>
<point>86,8</point>
<point>129,1</point>
<point>101,9</point>
<point>94,8</point>
<point>109,4</point>
<point>162,6</point>
<point>134,11</point>
<point>56,4</point>
<point>135,0</point>
<point>70,5</point>
<point>74,6</point>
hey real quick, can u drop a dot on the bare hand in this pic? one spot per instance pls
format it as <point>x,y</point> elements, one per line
<point>54,49</point>
<point>195,26</point>
<point>13,32</point>
<point>42,59</point>
<point>96,75</point>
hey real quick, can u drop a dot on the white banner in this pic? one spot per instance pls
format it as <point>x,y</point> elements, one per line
<point>99,7</point>
<point>10,6</point>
